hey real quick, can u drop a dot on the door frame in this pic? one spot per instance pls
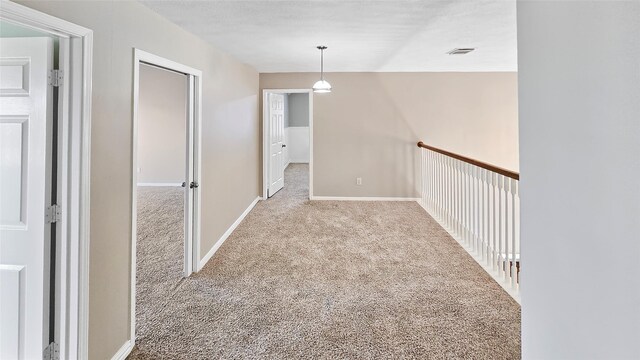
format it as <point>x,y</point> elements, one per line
<point>74,164</point>
<point>194,136</point>
<point>265,136</point>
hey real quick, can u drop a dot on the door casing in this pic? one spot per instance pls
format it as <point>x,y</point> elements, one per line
<point>193,171</point>
<point>74,164</point>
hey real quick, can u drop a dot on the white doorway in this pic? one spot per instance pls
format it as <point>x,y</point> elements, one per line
<point>45,107</point>
<point>167,155</point>
<point>285,143</point>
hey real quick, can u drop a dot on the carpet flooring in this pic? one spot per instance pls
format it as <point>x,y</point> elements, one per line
<point>319,280</point>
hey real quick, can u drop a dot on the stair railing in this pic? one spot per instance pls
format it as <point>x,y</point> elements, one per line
<point>478,204</point>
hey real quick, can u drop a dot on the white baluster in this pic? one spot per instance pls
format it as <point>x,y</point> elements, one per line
<point>476,207</point>
<point>507,234</point>
<point>438,185</point>
<point>452,188</point>
<point>469,206</point>
<point>459,199</point>
<point>463,184</point>
<point>447,192</point>
<point>452,196</point>
<point>441,185</point>
<point>500,226</point>
<point>487,219</point>
<point>426,177</point>
<point>422,177</point>
<point>430,183</point>
<point>514,190</point>
<point>492,180</point>
<point>482,213</point>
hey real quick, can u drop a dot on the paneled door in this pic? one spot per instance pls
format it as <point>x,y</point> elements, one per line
<point>276,143</point>
<point>25,182</point>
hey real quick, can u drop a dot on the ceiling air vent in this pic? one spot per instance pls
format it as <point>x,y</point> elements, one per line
<point>460,51</point>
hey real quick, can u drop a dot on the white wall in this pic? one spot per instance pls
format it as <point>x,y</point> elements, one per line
<point>162,117</point>
<point>579,96</point>
<point>297,132</point>
<point>298,144</point>
<point>298,105</point>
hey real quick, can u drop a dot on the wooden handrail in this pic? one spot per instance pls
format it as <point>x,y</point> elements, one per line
<point>495,169</point>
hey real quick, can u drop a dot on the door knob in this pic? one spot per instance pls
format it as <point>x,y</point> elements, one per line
<point>184,184</point>
<point>283,145</point>
<point>194,184</point>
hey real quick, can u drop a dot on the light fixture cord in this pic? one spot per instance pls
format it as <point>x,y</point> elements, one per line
<point>322,64</point>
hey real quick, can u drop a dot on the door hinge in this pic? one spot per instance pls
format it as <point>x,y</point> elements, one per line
<point>53,214</point>
<point>55,77</point>
<point>51,352</point>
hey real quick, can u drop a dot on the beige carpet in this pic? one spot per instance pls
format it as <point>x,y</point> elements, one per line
<point>326,280</point>
<point>159,254</point>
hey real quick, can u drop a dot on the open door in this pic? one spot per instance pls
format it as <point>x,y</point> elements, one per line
<point>25,186</point>
<point>276,143</point>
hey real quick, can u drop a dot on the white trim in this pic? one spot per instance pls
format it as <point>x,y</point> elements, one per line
<point>192,210</point>
<point>160,184</point>
<point>75,146</point>
<point>265,134</point>
<point>124,351</point>
<point>363,198</point>
<point>26,16</point>
<point>197,151</point>
<point>227,233</point>
<point>159,61</point>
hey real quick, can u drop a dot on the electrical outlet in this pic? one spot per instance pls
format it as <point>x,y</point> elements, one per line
<point>358,181</point>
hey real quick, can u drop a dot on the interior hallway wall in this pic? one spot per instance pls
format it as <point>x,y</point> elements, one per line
<point>579,84</point>
<point>298,130</point>
<point>230,163</point>
<point>162,125</point>
<point>286,150</point>
<point>299,110</point>
<point>368,126</point>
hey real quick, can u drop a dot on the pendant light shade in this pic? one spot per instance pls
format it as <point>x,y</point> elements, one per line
<point>322,86</point>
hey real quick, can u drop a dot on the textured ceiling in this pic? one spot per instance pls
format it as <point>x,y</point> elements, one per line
<point>379,36</point>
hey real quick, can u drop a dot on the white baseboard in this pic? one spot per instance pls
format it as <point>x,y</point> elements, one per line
<point>363,198</point>
<point>226,234</point>
<point>124,351</point>
<point>159,184</point>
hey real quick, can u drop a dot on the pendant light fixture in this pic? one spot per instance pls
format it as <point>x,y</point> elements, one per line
<point>322,86</point>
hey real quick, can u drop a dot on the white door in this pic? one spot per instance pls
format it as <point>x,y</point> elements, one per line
<point>25,116</point>
<point>276,143</point>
